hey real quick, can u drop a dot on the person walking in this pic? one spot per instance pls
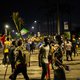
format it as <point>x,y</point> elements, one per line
<point>68,47</point>
<point>32,47</point>
<point>20,62</point>
<point>43,60</point>
<point>12,56</point>
<point>74,45</point>
<point>59,73</point>
<point>7,45</point>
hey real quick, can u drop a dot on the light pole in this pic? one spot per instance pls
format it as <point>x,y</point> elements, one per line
<point>58,18</point>
<point>37,26</point>
<point>6,27</point>
<point>32,30</point>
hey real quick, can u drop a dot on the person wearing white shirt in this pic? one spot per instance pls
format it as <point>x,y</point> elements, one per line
<point>68,46</point>
<point>44,52</point>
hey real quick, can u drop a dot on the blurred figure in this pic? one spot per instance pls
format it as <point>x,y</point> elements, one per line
<point>59,73</point>
<point>51,53</point>
<point>32,47</point>
<point>7,45</point>
<point>2,39</point>
<point>68,47</point>
<point>20,62</point>
<point>27,45</point>
<point>12,56</point>
<point>43,59</point>
<point>74,45</point>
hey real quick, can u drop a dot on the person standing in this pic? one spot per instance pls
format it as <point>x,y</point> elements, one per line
<point>20,62</point>
<point>43,59</point>
<point>2,39</point>
<point>74,45</point>
<point>32,47</point>
<point>68,46</point>
<point>7,45</point>
<point>12,56</point>
<point>59,73</point>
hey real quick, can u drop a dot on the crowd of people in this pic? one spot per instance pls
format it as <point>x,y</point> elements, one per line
<point>51,51</point>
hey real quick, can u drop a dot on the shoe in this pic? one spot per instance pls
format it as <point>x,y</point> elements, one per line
<point>10,77</point>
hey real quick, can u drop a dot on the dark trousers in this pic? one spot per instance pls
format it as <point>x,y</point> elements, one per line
<point>31,50</point>
<point>74,50</point>
<point>5,59</point>
<point>68,54</point>
<point>45,71</point>
<point>12,66</point>
<point>59,74</point>
<point>20,69</point>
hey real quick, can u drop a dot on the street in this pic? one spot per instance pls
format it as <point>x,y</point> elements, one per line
<point>34,71</point>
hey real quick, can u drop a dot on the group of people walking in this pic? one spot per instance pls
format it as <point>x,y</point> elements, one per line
<point>54,57</point>
<point>15,54</point>
<point>52,53</point>
<point>49,53</point>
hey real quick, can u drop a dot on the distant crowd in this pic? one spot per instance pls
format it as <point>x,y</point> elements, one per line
<point>17,53</point>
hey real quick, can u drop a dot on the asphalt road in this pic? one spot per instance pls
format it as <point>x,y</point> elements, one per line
<point>34,71</point>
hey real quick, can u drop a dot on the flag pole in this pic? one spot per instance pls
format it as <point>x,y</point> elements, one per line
<point>17,27</point>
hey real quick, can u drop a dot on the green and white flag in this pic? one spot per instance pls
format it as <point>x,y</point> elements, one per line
<point>24,31</point>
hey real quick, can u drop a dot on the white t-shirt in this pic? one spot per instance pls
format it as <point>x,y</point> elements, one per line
<point>68,46</point>
<point>47,53</point>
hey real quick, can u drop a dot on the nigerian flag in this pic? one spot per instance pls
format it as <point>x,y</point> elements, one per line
<point>24,31</point>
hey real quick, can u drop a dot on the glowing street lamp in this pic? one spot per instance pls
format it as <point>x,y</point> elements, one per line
<point>12,30</point>
<point>32,27</point>
<point>16,33</point>
<point>35,21</point>
<point>6,27</point>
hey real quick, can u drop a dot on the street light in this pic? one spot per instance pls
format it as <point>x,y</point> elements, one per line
<point>37,25</point>
<point>13,31</point>
<point>16,33</point>
<point>35,21</point>
<point>6,27</point>
<point>32,27</point>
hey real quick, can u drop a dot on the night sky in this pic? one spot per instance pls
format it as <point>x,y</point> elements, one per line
<point>31,10</point>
